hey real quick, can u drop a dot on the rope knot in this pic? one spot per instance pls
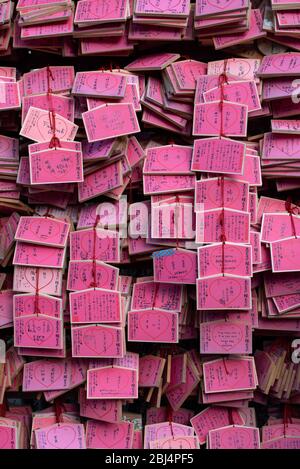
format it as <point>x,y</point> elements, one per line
<point>292,211</point>
<point>54,142</point>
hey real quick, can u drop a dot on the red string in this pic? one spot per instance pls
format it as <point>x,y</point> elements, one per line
<point>94,272</point>
<point>115,65</point>
<point>286,418</point>
<point>155,294</point>
<point>37,297</point>
<point>170,419</point>
<point>130,196</point>
<point>3,408</point>
<point>222,80</point>
<point>221,182</point>
<point>59,408</point>
<point>176,221</point>
<point>292,211</point>
<point>54,142</point>
<point>225,366</point>
<point>48,214</point>
<point>49,76</point>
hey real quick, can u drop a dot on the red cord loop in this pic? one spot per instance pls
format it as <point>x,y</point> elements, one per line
<point>170,419</point>
<point>59,409</point>
<point>37,297</point>
<point>3,408</point>
<point>225,366</point>
<point>54,142</point>
<point>292,211</point>
<point>223,79</point>
<point>221,182</point>
<point>176,220</point>
<point>94,272</point>
<point>287,418</point>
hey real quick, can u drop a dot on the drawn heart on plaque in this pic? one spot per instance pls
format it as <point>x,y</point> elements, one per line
<point>282,63</point>
<point>85,240</point>
<point>48,373</point>
<point>235,438</point>
<point>230,253</point>
<point>98,412</point>
<point>171,5</point>
<point>225,290</point>
<point>101,83</point>
<point>286,87</point>
<point>177,158</point>
<point>110,434</point>
<point>93,339</point>
<point>179,264</point>
<point>159,323</point>
<point>4,146</point>
<point>191,71</point>
<point>116,380</point>
<point>244,93</point>
<point>222,333</point>
<point>42,283</point>
<point>232,193</point>
<point>228,121</point>
<point>45,229</point>
<point>4,437</point>
<point>244,68</point>
<point>45,305</point>
<point>165,430</point>
<point>101,9</point>
<point>43,128</point>
<point>179,442</point>
<point>86,275</point>
<point>36,253</point>
<point>288,146</point>
<point>41,327</point>
<point>61,437</point>
<point>232,374</point>
<point>220,4</point>
<point>42,103</point>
